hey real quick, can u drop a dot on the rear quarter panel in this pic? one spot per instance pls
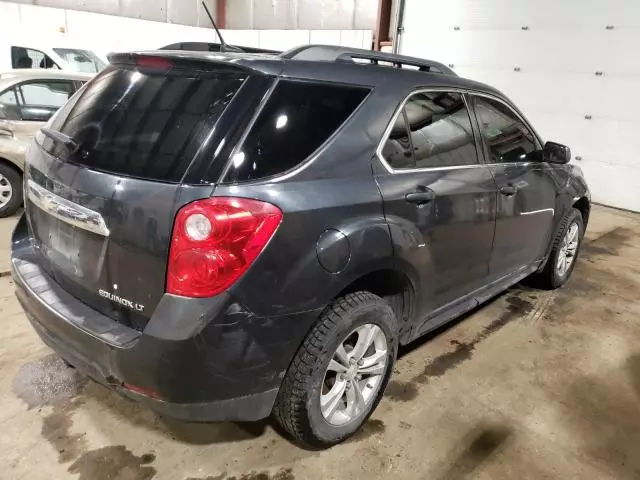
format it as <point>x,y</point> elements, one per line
<point>287,277</point>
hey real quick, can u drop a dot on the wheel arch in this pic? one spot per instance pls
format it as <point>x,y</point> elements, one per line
<point>11,164</point>
<point>391,284</point>
<point>583,205</point>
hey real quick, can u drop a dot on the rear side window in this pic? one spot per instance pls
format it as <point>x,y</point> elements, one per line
<point>297,119</point>
<point>142,124</point>
<point>9,105</point>
<point>39,100</point>
<point>29,58</point>
<point>436,127</point>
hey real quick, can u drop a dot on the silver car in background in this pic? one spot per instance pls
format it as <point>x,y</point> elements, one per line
<point>28,98</point>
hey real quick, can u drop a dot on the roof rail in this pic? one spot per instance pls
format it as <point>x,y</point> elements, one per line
<point>333,53</point>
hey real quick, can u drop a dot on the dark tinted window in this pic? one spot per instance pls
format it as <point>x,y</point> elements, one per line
<point>506,137</point>
<point>297,119</point>
<point>440,133</point>
<point>144,125</point>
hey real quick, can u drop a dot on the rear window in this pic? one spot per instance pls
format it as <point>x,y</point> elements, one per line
<point>141,124</point>
<point>297,119</point>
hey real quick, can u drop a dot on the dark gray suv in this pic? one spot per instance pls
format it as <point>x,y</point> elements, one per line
<point>229,236</point>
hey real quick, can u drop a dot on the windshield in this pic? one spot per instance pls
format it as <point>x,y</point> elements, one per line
<point>81,60</point>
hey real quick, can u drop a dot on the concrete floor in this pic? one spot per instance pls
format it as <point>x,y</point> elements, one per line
<point>533,385</point>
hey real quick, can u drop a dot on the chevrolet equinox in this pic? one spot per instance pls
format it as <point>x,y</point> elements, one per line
<point>231,236</point>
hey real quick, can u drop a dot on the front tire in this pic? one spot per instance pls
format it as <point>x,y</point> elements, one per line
<point>339,374</point>
<point>564,252</point>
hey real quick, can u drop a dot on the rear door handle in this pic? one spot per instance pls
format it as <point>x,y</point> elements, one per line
<point>508,190</point>
<point>421,196</point>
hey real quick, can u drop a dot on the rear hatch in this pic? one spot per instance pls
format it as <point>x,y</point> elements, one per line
<point>101,206</point>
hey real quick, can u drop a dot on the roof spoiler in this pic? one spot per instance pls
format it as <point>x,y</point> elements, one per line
<point>216,47</point>
<point>159,60</point>
<point>332,53</point>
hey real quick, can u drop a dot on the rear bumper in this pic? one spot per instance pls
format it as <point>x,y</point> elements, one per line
<point>202,360</point>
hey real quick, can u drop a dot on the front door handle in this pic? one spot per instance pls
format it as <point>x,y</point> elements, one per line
<point>508,190</point>
<point>421,196</point>
<point>5,132</point>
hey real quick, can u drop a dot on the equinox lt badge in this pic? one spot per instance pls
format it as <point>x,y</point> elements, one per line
<point>122,301</point>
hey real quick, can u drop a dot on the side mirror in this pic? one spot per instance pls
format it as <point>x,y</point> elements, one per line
<point>556,153</point>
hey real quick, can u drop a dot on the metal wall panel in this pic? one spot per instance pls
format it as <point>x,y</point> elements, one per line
<point>184,12</point>
<point>276,14</point>
<point>240,14</point>
<point>366,12</point>
<point>569,65</point>
<point>326,14</point>
<point>98,6</point>
<point>302,14</point>
<point>155,10</point>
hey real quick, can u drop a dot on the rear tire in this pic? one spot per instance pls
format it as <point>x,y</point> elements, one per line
<point>312,405</point>
<point>566,245</point>
<point>10,190</point>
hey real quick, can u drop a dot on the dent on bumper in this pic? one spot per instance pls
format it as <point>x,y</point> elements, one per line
<point>206,360</point>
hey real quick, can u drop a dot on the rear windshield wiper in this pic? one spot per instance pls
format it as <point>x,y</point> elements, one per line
<point>60,137</point>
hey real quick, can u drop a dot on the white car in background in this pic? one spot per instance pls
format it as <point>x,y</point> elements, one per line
<point>48,52</point>
<point>28,98</point>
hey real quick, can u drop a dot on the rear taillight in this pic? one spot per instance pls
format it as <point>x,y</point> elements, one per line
<point>215,240</point>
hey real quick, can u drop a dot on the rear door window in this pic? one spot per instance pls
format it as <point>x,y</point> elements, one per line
<point>39,100</point>
<point>143,124</point>
<point>433,131</point>
<point>297,119</point>
<point>22,57</point>
<point>9,109</point>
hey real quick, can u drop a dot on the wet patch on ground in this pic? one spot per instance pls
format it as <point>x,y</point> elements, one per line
<point>50,382</point>
<point>401,391</point>
<point>442,364</point>
<point>476,448</point>
<point>56,429</point>
<point>210,477</point>
<point>519,305</point>
<point>113,463</point>
<point>370,428</point>
<point>610,243</point>
<point>47,381</point>
<point>592,273</point>
<point>282,474</point>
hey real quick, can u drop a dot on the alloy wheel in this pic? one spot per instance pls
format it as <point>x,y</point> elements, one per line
<point>568,250</point>
<point>354,375</point>
<point>6,190</point>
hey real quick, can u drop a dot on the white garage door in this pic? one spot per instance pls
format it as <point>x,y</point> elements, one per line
<point>571,66</point>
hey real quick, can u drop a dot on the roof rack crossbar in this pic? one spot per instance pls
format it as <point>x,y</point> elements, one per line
<point>334,53</point>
